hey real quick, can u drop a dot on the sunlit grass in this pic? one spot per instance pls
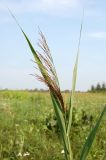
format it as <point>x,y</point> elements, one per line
<point>29,113</point>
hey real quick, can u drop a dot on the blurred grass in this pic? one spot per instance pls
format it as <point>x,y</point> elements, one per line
<point>23,127</point>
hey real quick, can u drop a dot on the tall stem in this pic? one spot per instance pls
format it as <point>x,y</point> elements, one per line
<point>68,153</point>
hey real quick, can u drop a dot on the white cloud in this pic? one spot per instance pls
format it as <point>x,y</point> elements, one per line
<point>58,4</point>
<point>23,6</point>
<point>97,35</point>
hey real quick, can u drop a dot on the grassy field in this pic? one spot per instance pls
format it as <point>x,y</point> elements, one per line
<point>29,130</point>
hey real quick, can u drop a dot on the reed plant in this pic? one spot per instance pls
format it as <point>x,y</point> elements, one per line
<point>63,113</point>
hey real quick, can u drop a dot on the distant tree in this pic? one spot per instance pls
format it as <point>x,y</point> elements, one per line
<point>66,91</point>
<point>98,87</point>
<point>103,86</point>
<point>92,88</point>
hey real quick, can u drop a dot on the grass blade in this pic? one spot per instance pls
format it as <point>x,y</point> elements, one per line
<point>91,137</point>
<point>72,96</point>
<point>61,122</point>
<point>28,41</point>
<point>74,82</point>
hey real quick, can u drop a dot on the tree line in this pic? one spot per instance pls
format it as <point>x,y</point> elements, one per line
<point>99,87</point>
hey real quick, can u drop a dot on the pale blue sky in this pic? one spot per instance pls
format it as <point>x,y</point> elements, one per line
<point>60,22</point>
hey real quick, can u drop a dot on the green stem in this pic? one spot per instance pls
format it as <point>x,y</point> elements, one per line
<point>68,153</point>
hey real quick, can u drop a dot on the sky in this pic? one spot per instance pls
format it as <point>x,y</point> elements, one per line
<point>60,22</point>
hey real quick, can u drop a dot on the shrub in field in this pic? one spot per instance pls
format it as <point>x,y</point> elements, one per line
<point>63,114</point>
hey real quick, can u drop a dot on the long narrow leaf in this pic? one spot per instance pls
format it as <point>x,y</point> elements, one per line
<point>91,137</point>
<point>30,45</point>
<point>74,82</point>
<point>61,123</point>
<point>72,96</point>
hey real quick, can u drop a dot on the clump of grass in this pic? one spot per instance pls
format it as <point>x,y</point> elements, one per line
<point>49,76</point>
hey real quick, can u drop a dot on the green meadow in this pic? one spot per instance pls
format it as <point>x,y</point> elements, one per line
<point>29,129</point>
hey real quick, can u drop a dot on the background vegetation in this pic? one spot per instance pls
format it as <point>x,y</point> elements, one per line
<point>99,87</point>
<point>29,130</point>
